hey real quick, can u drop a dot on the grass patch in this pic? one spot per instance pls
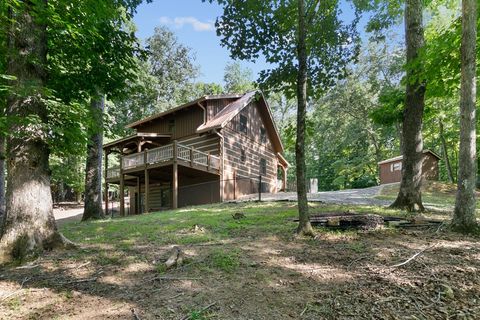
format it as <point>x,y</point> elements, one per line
<point>435,194</point>
<point>223,260</point>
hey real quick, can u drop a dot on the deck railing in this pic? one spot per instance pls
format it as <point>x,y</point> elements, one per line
<point>160,154</point>
<point>133,160</point>
<point>166,153</point>
<point>113,172</point>
<point>183,152</point>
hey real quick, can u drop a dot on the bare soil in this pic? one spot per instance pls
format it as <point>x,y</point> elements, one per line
<point>337,275</point>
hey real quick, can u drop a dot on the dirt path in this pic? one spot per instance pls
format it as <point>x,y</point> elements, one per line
<point>364,196</point>
<point>66,212</point>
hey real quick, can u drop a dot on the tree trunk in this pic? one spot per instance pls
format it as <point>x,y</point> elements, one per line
<point>465,203</point>
<point>445,153</point>
<point>29,224</point>
<point>93,170</point>
<point>304,226</point>
<point>410,197</point>
<point>2,177</point>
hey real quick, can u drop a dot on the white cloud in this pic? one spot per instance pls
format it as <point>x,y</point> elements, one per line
<point>196,24</point>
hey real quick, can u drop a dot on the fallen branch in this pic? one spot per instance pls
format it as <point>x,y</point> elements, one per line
<point>412,257</point>
<point>16,291</point>
<point>176,296</point>
<point>304,310</point>
<point>135,314</point>
<point>83,265</point>
<point>80,280</point>
<point>28,266</point>
<point>188,316</point>
<point>174,278</point>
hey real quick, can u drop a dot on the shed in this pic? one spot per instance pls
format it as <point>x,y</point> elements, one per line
<point>391,169</point>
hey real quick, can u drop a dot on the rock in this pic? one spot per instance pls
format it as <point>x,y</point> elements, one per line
<point>175,259</point>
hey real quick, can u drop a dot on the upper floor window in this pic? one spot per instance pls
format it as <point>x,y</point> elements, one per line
<point>263,166</point>
<point>171,125</point>
<point>242,124</point>
<point>243,156</point>
<point>263,135</point>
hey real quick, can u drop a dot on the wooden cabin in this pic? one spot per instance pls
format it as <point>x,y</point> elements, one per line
<point>212,149</point>
<point>391,169</point>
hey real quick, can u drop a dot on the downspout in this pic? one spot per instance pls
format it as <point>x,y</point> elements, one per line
<point>222,148</point>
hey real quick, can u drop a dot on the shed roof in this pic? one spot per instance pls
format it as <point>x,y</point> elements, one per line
<point>401,157</point>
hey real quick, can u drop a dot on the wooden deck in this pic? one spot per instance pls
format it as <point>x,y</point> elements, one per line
<point>141,164</point>
<point>164,156</point>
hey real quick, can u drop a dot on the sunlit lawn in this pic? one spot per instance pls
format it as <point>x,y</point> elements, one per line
<point>174,226</point>
<point>434,194</point>
<point>251,268</point>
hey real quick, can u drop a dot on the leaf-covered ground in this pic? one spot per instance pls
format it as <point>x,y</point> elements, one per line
<point>252,268</point>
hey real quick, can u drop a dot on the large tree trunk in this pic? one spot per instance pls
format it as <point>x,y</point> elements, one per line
<point>445,153</point>
<point>29,224</point>
<point>410,197</point>
<point>304,226</point>
<point>93,177</point>
<point>2,177</point>
<point>465,203</point>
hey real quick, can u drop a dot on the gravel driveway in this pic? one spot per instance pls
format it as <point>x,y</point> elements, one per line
<point>364,196</point>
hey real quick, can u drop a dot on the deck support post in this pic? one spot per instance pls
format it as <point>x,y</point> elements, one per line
<point>106,183</point>
<point>208,161</point>
<point>138,207</point>
<point>147,184</point>
<point>175,177</point>
<point>147,190</point>
<point>122,194</point>
<point>122,189</point>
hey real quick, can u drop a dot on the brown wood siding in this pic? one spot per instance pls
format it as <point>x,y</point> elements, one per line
<point>430,167</point>
<point>430,170</point>
<point>154,200</point>
<point>234,142</point>
<point>205,143</point>
<point>389,176</point>
<point>202,189</point>
<point>186,123</point>
<point>215,106</point>
<point>256,121</point>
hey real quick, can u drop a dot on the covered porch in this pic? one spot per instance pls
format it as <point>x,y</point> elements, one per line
<point>167,176</point>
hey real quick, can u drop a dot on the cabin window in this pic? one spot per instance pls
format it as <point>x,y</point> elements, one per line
<point>396,166</point>
<point>263,166</point>
<point>171,125</point>
<point>242,124</point>
<point>263,135</point>
<point>243,156</point>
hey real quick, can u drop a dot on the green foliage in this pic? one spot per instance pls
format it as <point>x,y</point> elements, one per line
<point>237,79</point>
<point>442,54</point>
<point>162,81</point>
<point>172,63</point>
<point>253,28</point>
<point>69,170</point>
<point>391,104</point>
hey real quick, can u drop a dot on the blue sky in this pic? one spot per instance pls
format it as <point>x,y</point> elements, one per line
<point>193,23</point>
